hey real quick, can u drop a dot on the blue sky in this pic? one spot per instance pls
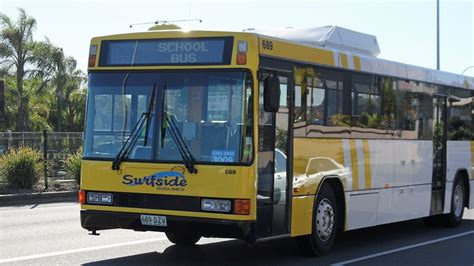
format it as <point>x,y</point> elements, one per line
<point>406,30</point>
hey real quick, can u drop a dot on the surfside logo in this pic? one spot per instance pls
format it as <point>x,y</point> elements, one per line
<point>168,180</point>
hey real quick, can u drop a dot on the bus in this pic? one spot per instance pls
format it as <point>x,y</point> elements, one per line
<point>260,135</point>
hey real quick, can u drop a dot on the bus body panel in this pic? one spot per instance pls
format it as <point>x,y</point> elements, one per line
<point>302,215</point>
<point>313,160</point>
<point>301,53</point>
<point>134,210</point>
<point>209,182</point>
<point>385,180</point>
<point>97,175</point>
<point>471,198</point>
<point>459,157</point>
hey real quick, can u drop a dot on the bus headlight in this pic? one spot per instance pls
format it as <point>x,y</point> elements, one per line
<point>99,198</point>
<point>106,198</point>
<point>216,205</point>
<point>93,197</point>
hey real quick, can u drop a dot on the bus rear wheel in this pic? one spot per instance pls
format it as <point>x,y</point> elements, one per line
<point>454,218</point>
<point>183,238</point>
<point>325,221</point>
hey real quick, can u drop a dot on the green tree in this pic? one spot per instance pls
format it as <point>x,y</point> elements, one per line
<point>75,111</point>
<point>59,72</point>
<point>16,53</point>
<point>40,103</point>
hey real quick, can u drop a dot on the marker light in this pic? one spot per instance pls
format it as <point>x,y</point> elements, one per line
<point>82,196</point>
<point>92,55</point>
<point>242,206</point>
<point>241,52</point>
<point>242,46</point>
<point>215,205</point>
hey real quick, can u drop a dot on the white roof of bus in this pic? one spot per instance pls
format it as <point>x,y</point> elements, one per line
<point>330,37</point>
<point>341,40</point>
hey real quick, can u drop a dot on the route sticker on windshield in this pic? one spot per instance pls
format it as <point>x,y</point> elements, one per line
<point>223,156</point>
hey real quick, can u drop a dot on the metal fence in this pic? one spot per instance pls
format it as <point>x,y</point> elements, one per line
<point>55,146</point>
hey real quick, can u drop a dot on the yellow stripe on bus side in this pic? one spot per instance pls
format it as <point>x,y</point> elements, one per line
<point>367,172</point>
<point>472,160</point>
<point>357,64</point>
<point>344,61</point>
<point>355,166</point>
<point>340,153</point>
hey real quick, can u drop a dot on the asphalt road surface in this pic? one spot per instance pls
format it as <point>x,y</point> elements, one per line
<point>51,234</point>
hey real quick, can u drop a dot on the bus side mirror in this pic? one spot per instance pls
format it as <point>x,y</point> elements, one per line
<point>271,94</point>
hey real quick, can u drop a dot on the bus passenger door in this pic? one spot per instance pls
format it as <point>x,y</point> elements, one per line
<point>273,166</point>
<point>439,153</point>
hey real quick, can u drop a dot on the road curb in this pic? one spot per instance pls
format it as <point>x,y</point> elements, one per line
<point>37,198</point>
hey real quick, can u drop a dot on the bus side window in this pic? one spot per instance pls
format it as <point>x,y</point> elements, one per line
<point>413,110</point>
<point>326,99</point>
<point>300,102</point>
<point>365,102</point>
<point>319,103</point>
<point>460,122</point>
<point>387,87</point>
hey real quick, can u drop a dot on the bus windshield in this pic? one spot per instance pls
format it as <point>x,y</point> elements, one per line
<point>211,110</point>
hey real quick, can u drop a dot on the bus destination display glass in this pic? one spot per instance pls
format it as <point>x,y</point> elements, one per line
<point>196,51</point>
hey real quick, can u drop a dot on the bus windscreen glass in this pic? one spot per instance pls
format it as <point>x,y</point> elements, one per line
<point>191,51</point>
<point>212,112</point>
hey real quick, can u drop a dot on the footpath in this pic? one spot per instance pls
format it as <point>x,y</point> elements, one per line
<point>38,198</point>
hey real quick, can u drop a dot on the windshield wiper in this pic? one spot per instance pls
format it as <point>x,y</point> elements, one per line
<point>133,137</point>
<point>151,106</point>
<point>178,139</point>
<point>183,149</point>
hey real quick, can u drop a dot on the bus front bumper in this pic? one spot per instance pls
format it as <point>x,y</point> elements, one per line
<point>101,220</point>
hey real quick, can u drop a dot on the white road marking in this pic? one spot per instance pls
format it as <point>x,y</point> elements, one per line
<point>402,249</point>
<point>28,207</point>
<point>71,251</point>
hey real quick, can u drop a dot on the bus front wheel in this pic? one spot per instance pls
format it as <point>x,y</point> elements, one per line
<point>183,238</point>
<point>325,221</point>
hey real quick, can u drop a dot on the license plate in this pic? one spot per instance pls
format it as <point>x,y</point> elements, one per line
<point>153,220</point>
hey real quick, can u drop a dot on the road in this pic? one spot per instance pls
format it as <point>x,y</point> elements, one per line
<point>51,234</point>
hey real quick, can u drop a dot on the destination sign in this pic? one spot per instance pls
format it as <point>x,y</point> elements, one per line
<point>195,51</point>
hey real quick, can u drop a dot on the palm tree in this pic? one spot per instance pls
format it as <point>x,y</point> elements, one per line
<point>75,111</point>
<point>59,72</point>
<point>16,52</point>
<point>75,100</point>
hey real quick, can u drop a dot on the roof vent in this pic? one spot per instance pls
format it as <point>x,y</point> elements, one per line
<point>165,27</point>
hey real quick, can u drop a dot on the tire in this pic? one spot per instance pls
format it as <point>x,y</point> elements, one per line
<point>458,201</point>
<point>183,238</point>
<point>324,225</point>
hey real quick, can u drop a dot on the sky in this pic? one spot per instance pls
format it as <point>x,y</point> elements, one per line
<point>405,29</point>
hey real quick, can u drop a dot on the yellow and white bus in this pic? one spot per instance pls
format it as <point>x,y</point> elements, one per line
<point>258,136</point>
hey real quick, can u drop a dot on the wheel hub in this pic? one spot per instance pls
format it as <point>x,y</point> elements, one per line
<point>325,220</point>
